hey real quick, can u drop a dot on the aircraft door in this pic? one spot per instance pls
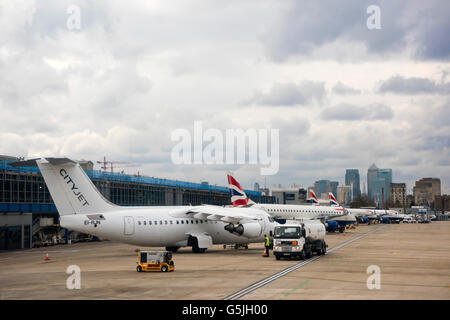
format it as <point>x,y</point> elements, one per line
<point>128,225</point>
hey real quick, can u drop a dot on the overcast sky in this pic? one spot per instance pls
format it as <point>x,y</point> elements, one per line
<point>341,95</point>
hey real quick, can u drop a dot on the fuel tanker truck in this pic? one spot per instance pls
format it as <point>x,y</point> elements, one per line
<point>299,239</point>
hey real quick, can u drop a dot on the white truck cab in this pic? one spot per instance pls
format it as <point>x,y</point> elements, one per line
<point>299,239</point>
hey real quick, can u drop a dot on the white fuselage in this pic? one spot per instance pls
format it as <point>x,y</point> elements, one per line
<point>158,226</point>
<point>288,211</point>
<point>362,213</point>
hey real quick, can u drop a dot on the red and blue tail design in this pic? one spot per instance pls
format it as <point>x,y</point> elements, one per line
<point>313,198</point>
<point>237,194</point>
<point>333,200</point>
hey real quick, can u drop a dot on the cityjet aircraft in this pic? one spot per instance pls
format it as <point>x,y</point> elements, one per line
<point>82,208</point>
<point>365,215</point>
<point>327,214</point>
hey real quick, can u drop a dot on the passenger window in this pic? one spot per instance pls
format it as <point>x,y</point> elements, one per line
<point>166,222</point>
<point>192,221</point>
<point>160,222</point>
<point>145,223</point>
<point>182,222</point>
<point>156,222</point>
<point>139,223</point>
<point>149,223</point>
<point>196,221</point>
<point>201,221</point>
<point>171,222</point>
<point>187,221</point>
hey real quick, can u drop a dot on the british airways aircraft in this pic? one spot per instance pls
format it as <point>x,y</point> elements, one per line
<point>365,215</point>
<point>82,208</point>
<point>326,214</point>
<point>314,200</point>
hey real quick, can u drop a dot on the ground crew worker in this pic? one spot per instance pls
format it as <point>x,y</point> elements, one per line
<point>266,244</point>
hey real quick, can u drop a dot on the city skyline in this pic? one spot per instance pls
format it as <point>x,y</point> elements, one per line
<point>120,84</point>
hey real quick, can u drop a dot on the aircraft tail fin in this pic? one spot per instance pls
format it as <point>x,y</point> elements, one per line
<point>237,193</point>
<point>333,200</point>
<point>313,198</point>
<point>71,189</point>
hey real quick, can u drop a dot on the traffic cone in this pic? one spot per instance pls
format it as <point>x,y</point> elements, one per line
<point>264,254</point>
<point>46,256</point>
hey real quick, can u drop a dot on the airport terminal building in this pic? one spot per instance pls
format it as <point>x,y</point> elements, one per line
<point>28,216</point>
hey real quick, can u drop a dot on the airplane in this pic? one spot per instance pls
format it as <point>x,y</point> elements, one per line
<point>82,208</point>
<point>314,200</point>
<point>390,216</point>
<point>332,217</point>
<point>363,215</point>
<point>371,215</point>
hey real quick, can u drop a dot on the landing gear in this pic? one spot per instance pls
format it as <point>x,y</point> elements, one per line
<point>172,249</point>
<point>195,248</point>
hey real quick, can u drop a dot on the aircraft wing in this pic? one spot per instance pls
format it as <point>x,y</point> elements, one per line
<point>214,213</point>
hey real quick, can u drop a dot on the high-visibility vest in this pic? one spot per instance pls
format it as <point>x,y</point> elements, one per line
<point>267,242</point>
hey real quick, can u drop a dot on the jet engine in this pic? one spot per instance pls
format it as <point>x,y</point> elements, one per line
<point>249,230</point>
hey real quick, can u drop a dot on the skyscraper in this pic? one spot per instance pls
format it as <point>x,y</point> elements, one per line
<point>352,179</point>
<point>333,188</point>
<point>379,185</point>
<point>386,174</point>
<point>372,174</point>
<point>322,187</point>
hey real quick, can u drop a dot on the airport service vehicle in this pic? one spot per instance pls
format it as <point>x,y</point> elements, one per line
<point>408,219</point>
<point>299,239</point>
<point>287,211</point>
<point>82,208</point>
<point>155,261</point>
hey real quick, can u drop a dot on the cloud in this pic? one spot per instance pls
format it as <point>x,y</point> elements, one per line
<point>413,86</point>
<point>342,89</point>
<point>349,112</point>
<point>291,94</point>
<point>135,72</point>
<point>304,27</point>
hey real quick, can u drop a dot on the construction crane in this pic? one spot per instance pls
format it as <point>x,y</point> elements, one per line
<point>115,164</point>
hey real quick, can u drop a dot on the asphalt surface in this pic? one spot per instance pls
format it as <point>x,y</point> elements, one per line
<point>414,263</point>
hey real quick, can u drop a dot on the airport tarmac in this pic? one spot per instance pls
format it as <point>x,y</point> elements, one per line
<point>414,260</point>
